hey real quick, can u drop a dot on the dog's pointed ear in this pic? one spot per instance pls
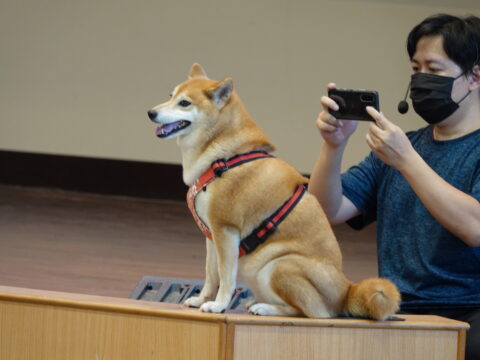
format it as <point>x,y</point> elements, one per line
<point>196,71</point>
<point>221,92</point>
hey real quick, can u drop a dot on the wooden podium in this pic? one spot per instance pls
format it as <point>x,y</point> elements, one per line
<point>44,325</point>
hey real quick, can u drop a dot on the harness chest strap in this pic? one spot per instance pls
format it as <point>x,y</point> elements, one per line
<point>261,233</point>
<point>214,171</point>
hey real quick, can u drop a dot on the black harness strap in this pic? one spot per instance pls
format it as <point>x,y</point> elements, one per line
<point>269,225</point>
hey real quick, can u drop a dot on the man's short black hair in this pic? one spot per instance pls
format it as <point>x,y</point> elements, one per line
<point>461,38</point>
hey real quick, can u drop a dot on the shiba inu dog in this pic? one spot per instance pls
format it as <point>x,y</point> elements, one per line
<point>256,214</point>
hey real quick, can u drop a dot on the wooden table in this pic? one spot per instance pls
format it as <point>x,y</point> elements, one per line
<point>45,325</point>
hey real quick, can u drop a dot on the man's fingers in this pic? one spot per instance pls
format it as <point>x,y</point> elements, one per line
<point>328,103</point>
<point>378,117</point>
<point>331,86</point>
<point>375,130</point>
<point>327,122</point>
<point>370,141</point>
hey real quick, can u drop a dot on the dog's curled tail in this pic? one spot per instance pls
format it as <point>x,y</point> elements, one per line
<point>374,298</point>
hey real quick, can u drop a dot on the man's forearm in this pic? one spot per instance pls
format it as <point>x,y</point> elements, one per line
<point>455,210</point>
<point>325,181</point>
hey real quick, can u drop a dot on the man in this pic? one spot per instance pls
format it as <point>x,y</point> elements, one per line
<point>423,187</point>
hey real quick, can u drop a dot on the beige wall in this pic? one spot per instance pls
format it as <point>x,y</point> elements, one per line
<point>77,77</point>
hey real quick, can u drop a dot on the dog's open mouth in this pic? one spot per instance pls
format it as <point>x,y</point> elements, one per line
<point>169,129</point>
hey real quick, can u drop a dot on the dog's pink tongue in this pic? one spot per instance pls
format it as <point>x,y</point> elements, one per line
<point>165,129</point>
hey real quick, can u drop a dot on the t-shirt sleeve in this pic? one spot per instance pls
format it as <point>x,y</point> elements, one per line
<point>360,184</point>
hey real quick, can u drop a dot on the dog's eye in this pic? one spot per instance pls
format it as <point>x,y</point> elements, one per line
<point>184,103</point>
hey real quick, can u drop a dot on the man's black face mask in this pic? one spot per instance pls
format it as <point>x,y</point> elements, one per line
<point>432,96</point>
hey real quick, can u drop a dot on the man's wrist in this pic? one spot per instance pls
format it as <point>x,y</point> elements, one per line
<point>331,147</point>
<point>408,167</point>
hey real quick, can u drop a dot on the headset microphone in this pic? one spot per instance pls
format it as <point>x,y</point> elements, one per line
<point>403,105</point>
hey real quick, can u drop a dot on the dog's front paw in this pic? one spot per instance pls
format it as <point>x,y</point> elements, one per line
<point>213,307</point>
<point>194,301</point>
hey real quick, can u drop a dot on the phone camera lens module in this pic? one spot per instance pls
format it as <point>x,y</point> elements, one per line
<point>366,98</point>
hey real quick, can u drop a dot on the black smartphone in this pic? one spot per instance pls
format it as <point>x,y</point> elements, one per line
<point>352,103</point>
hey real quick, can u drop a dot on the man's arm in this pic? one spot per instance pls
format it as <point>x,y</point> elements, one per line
<point>455,210</point>
<point>326,185</point>
<point>325,182</point>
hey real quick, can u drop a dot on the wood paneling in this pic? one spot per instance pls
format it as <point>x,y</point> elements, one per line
<point>284,343</point>
<point>43,325</point>
<point>50,326</point>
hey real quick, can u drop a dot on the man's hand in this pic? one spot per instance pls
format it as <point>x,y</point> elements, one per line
<point>334,132</point>
<point>388,141</point>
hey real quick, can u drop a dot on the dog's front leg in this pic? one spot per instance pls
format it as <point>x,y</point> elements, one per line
<point>210,287</point>
<point>226,245</point>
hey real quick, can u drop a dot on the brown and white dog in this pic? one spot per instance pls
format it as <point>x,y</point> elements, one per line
<point>297,270</point>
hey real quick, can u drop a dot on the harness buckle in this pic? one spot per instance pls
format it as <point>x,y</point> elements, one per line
<point>249,243</point>
<point>219,167</point>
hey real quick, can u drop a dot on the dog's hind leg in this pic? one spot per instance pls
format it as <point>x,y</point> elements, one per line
<point>299,296</point>
<point>287,289</point>
<point>210,286</point>
<point>272,310</point>
<point>300,293</point>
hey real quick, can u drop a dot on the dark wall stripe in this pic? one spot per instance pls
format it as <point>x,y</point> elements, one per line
<point>104,176</point>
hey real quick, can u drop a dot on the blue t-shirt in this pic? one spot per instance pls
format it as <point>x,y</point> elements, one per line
<point>430,266</point>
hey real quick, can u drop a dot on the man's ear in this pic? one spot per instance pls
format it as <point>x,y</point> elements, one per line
<point>221,92</point>
<point>475,84</point>
<point>196,71</point>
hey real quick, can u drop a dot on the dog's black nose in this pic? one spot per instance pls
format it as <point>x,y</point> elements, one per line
<point>152,114</point>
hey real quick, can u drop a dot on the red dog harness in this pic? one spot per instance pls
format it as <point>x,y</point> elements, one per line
<point>268,226</point>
